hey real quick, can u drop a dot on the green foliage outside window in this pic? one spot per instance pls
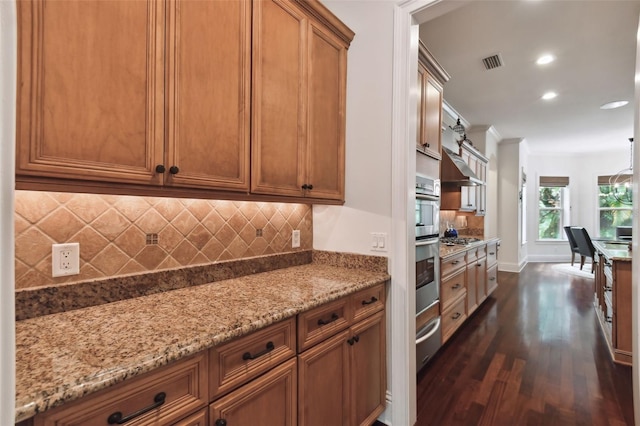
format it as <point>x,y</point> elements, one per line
<point>550,207</point>
<point>613,212</point>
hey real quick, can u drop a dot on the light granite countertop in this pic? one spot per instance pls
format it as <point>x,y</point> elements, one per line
<point>446,251</point>
<point>614,250</point>
<point>64,356</point>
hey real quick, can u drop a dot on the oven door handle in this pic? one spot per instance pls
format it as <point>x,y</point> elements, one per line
<point>427,242</point>
<point>427,197</point>
<point>431,333</point>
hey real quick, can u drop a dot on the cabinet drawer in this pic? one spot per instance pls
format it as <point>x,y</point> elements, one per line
<point>324,321</point>
<point>492,254</point>
<point>235,363</point>
<point>482,252</point>
<point>451,264</point>
<point>184,385</point>
<point>452,288</point>
<point>472,255</point>
<point>453,318</point>
<point>367,302</point>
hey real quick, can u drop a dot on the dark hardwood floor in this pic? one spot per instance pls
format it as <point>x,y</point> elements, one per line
<point>532,354</point>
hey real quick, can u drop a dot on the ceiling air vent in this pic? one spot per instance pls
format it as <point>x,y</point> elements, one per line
<point>491,62</point>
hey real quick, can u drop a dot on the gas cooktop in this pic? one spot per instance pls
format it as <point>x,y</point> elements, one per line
<point>458,241</point>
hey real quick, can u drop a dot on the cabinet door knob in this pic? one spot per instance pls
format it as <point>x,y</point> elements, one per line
<point>305,186</point>
<point>221,422</point>
<point>174,170</point>
<point>160,168</point>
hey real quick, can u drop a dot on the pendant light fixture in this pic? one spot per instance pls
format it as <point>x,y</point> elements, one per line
<point>622,182</point>
<point>459,128</point>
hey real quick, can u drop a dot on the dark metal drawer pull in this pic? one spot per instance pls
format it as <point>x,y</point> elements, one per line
<point>455,262</point>
<point>116,418</point>
<point>221,422</point>
<point>492,279</point>
<point>455,287</point>
<point>353,340</point>
<point>368,302</point>
<point>247,355</point>
<point>456,316</point>
<point>334,317</point>
<point>491,253</point>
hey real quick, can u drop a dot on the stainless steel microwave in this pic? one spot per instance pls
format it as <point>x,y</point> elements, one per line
<point>427,207</point>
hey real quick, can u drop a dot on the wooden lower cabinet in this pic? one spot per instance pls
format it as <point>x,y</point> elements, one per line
<point>201,418</point>
<point>183,384</point>
<point>613,303</point>
<point>368,370</point>
<point>472,288</point>
<point>268,400</point>
<point>337,378</point>
<point>342,380</point>
<point>323,393</point>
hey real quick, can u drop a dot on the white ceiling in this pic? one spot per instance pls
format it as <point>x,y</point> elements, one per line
<point>594,43</point>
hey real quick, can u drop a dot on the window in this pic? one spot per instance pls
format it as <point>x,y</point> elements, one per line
<point>553,206</point>
<point>614,204</point>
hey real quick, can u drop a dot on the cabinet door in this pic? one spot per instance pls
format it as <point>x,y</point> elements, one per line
<point>323,391</point>
<point>433,118</point>
<point>280,34</point>
<point>472,288</point>
<point>481,279</point>
<point>201,418</point>
<point>208,76</point>
<point>422,87</point>
<point>90,90</point>
<point>481,190</point>
<point>492,278</point>
<point>269,400</point>
<point>326,115</point>
<point>368,375</point>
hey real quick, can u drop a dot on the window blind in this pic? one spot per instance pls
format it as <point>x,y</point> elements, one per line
<point>604,180</point>
<point>554,181</point>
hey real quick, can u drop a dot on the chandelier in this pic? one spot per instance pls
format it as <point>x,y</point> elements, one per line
<point>622,182</point>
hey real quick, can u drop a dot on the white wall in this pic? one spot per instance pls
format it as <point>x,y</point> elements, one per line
<point>583,171</point>
<point>368,134</point>
<point>486,139</point>
<point>7,137</point>
<point>509,175</point>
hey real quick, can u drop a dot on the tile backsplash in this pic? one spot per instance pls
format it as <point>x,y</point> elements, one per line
<point>117,234</point>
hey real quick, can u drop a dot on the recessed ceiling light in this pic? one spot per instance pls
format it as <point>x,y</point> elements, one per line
<point>614,104</point>
<point>549,95</point>
<point>545,59</point>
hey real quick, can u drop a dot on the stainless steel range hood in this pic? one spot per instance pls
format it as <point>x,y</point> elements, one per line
<point>455,171</point>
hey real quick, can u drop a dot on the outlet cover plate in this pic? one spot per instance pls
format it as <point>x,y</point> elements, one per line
<point>295,239</point>
<point>65,259</point>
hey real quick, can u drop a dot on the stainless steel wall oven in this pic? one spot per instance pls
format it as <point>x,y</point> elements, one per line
<point>428,328</point>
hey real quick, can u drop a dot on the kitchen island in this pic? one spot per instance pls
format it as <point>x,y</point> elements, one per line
<point>612,293</point>
<point>64,356</point>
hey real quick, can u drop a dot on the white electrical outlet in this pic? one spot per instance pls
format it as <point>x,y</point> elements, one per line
<point>295,238</point>
<point>65,259</point>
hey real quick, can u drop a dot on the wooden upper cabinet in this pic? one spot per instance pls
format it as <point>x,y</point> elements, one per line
<point>299,92</point>
<point>209,89</point>
<point>327,103</point>
<point>279,107</point>
<point>236,96</point>
<point>431,78</point>
<point>90,84</point>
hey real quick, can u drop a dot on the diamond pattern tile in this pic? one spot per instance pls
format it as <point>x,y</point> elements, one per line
<point>111,231</point>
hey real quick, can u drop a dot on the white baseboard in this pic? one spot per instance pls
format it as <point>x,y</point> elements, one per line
<point>385,417</point>
<point>512,267</point>
<point>554,258</point>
